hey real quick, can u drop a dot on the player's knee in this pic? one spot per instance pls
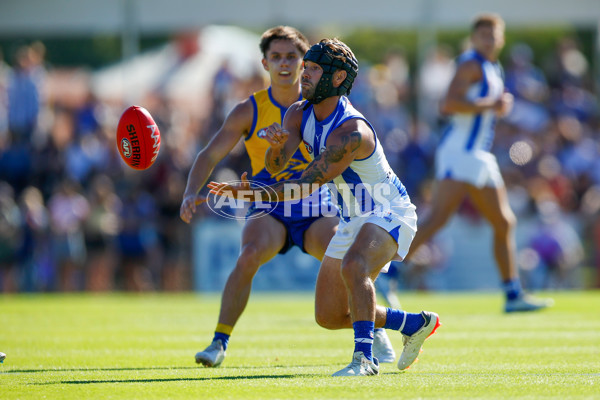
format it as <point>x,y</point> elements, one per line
<point>353,267</point>
<point>511,221</point>
<point>438,219</point>
<point>322,319</point>
<point>249,259</point>
<point>329,320</point>
<point>506,224</point>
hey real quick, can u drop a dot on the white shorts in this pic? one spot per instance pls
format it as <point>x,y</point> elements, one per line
<point>399,220</point>
<point>477,167</point>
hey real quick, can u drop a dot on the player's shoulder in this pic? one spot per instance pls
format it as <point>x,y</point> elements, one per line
<point>470,56</point>
<point>242,111</point>
<point>469,68</point>
<point>297,107</point>
<point>295,112</point>
<point>357,123</point>
<point>353,130</point>
<point>244,106</point>
<point>470,59</point>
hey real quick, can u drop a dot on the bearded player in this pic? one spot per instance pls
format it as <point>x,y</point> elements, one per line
<point>265,234</point>
<point>377,219</point>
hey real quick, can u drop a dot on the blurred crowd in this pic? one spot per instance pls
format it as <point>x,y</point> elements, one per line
<point>74,217</point>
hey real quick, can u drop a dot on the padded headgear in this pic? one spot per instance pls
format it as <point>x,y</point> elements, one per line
<point>331,60</point>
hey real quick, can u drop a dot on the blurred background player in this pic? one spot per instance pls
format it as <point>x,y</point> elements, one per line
<point>464,164</point>
<point>262,238</point>
<point>376,226</point>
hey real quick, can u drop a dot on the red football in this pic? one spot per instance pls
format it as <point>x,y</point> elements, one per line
<point>138,138</point>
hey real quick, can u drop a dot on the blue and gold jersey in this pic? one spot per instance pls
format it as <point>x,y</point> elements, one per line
<point>266,112</point>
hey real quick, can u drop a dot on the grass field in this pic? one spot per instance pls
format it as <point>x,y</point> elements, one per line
<point>143,346</point>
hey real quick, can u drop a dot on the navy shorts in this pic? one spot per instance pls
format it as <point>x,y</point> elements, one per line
<point>295,221</point>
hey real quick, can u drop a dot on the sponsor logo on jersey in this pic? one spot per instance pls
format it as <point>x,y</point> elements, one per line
<point>308,147</point>
<point>262,133</point>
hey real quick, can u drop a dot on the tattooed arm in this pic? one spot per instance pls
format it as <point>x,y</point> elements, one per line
<point>354,139</point>
<point>343,146</point>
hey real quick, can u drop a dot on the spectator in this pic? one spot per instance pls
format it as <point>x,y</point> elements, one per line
<point>101,228</point>
<point>23,97</point>
<point>4,74</point>
<point>528,85</point>
<point>433,80</point>
<point>68,210</point>
<point>9,238</point>
<point>137,241</point>
<point>36,270</point>
<point>558,247</point>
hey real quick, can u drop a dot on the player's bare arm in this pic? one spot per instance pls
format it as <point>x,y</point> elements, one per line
<point>284,140</point>
<point>352,140</point>
<point>237,124</point>
<point>456,100</point>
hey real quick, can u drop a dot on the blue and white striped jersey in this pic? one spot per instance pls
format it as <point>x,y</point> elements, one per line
<point>468,131</point>
<point>368,184</point>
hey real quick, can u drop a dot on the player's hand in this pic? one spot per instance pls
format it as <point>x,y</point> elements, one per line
<point>276,135</point>
<point>240,190</point>
<point>188,206</point>
<point>504,104</point>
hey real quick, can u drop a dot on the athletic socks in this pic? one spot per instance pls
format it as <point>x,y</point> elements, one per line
<point>222,333</point>
<point>406,323</point>
<point>512,288</point>
<point>363,338</point>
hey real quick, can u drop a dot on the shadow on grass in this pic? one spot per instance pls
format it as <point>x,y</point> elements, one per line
<point>90,381</point>
<point>33,371</point>
<point>92,369</point>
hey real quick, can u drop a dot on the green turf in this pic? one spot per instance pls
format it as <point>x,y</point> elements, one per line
<point>143,346</point>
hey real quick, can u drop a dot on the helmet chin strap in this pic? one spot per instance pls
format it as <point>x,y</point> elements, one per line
<point>323,55</point>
